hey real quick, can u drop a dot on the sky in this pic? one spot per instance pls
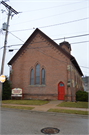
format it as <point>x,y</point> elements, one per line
<point>59,19</point>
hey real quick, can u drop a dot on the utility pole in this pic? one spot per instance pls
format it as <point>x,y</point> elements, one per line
<point>5,42</point>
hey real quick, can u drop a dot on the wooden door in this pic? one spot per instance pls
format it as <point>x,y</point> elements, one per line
<point>61,91</point>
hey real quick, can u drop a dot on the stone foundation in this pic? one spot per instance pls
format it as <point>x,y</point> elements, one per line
<point>47,97</point>
<point>70,98</point>
<point>41,96</point>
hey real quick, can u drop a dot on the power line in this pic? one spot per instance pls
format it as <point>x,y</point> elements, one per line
<point>79,42</point>
<point>50,16</point>
<point>60,38</point>
<point>16,36</point>
<point>72,37</point>
<point>65,22</point>
<point>54,39</point>
<point>67,37</point>
<point>32,48</point>
<point>53,24</point>
<point>53,7</point>
<point>52,56</point>
<point>44,41</point>
<point>23,30</point>
<point>14,45</point>
<point>37,49</point>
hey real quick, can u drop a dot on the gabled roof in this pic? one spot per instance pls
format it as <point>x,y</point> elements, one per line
<point>53,43</point>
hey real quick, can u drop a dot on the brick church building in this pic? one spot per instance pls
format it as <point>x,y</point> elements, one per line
<point>45,70</point>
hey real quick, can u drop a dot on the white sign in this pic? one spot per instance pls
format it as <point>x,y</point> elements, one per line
<point>2,78</point>
<point>16,91</point>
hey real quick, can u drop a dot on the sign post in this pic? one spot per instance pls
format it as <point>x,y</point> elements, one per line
<point>17,92</point>
<point>2,80</point>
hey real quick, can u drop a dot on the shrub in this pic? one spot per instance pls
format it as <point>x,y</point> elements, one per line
<point>6,92</point>
<point>82,96</point>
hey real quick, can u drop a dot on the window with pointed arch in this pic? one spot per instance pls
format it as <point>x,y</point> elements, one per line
<point>42,76</point>
<point>31,77</point>
<point>37,75</point>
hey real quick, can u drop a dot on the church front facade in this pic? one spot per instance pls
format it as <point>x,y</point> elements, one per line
<point>45,70</point>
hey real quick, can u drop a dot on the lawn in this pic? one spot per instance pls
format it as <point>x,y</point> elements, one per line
<point>18,107</point>
<point>25,102</point>
<point>68,111</point>
<point>74,104</point>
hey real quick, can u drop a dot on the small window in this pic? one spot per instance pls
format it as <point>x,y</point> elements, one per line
<point>43,76</point>
<point>61,84</point>
<point>32,77</point>
<point>37,74</point>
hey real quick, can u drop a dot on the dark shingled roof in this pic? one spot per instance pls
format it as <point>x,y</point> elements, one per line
<point>72,59</point>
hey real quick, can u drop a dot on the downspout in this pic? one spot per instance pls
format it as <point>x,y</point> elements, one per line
<point>71,81</point>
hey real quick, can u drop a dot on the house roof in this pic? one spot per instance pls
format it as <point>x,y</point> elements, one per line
<point>72,59</point>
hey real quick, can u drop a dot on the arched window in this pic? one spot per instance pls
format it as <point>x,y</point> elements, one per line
<point>31,77</point>
<point>37,74</point>
<point>43,76</point>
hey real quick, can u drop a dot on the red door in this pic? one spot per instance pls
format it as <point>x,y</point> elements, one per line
<point>61,91</point>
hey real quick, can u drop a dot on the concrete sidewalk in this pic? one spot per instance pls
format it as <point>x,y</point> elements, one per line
<point>50,105</point>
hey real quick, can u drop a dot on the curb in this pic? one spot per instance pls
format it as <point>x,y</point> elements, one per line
<point>51,113</point>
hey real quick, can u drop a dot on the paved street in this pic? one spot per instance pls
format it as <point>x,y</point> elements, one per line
<point>31,122</point>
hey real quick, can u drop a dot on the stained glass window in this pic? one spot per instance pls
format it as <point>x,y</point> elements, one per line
<point>37,74</point>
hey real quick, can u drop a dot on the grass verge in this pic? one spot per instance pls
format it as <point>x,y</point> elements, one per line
<point>68,111</point>
<point>25,102</point>
<point>18,107</point>
<point>74,104</point>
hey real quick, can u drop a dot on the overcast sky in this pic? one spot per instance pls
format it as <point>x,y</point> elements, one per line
<point>56,18</point>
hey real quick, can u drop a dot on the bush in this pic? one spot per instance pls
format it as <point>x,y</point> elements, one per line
<point>82,96</point>
<point>6,92</point>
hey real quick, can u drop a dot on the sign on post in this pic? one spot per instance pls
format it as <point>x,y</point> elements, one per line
<point>2,78</point>
<point>17,92</point>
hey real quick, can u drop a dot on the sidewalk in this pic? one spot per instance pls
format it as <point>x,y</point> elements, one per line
<point>50,105</point>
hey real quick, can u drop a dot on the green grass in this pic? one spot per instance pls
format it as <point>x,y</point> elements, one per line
<point>68,111</point>
<point>18,107</point>
<point>25,102</point>
<point>74,104</point>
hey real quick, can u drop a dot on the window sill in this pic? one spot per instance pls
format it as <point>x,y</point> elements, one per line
<point>37,85</point>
